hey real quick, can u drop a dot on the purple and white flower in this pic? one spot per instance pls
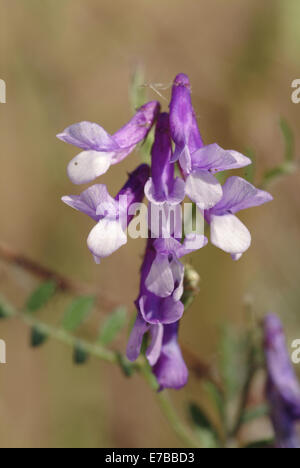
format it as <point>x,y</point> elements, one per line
<point>163,352</point>
<point>165,277</point>
<point>111,214</point>
<point>101,150</point>
<point>170,369</point>
<point>198,163</point>
<point>227,231</point>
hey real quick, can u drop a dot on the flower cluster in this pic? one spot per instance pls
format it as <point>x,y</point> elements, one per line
<point>283,388</point>
<point>177,145</point>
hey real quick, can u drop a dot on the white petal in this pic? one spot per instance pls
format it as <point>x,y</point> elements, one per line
<point>177,195</point>
<point>230,234</point>
<point>105,238</point>
<point>160,279</point>
<point>203,189</point>
<point>88,165</point>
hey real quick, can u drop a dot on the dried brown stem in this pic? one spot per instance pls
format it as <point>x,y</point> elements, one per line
<point>200,369</point>
<point>64,283</point>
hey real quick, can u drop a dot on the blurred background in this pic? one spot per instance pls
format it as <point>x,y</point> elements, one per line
<point>66,61</point>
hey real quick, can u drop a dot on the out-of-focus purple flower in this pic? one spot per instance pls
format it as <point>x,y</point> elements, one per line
<point>162,187</point>
<point>227,231</point>
<point>199,163</point>
<point>166,274</point>
<point>111,216</point>
<point>101,150</point>
<point>283,388</point>
<point>170,369</point>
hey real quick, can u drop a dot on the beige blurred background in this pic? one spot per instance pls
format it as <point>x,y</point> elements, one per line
<point>70,60</point>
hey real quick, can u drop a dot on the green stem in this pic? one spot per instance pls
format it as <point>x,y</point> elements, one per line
<point>169,411</point>
<point>112,357</point>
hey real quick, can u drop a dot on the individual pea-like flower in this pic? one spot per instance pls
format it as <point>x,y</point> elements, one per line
<point>159,317</point>
<point>283,388</point>
<point>101,150</point>
<point>111,214</point>
<point>198,163</point>
<point>162,187</point>
<point>163,352</point>
<point>227,231</point>
<point>170,369</point>
<point>156,309</point>
<point>166,275</point>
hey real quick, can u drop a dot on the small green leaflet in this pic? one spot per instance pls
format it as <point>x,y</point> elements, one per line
<point>38,337</point>
<point>289,140</point>
<point>80,355</point>
<point>204,425</point>
<point>41,296</point>
<point>77,312</point>
<point>112,326</point>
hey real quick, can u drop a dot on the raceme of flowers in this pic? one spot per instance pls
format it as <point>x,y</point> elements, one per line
<point>177,144</point>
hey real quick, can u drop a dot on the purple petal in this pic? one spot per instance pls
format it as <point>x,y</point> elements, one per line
<point>154,349</point>
<point>170,369</point>
<point>156,310</point>
<point>181,113</point>
<point>136,338</point>
<point>238,194</point>
<point>89,200</point>
<point>160,279</point>
<point>88,136</point>
<point>280,369</point>
<point>138,127</point>
<point>215,159</point>
<point>195,140</point>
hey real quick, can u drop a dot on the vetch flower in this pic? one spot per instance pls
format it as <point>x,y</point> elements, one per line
<point>101,150</point>
<point>227,231</point>
<point>162,187</point>
<point>157,309</point>
<point>283,388</point>
<point>198,163</point>
<point>166,274</point>
<point>111,214</point>
<point>170,368</point>
<point>163,352</point>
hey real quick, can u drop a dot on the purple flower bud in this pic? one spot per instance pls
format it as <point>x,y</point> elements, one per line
<point>227,231</point>
<point>181,117</point>
<point>101,150</point>
<point>162,187</point>
<point>283,388</point>
<point>110,213</point>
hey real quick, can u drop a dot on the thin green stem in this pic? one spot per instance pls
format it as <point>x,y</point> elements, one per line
<point>169,411</point>
<point>112,357</point>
